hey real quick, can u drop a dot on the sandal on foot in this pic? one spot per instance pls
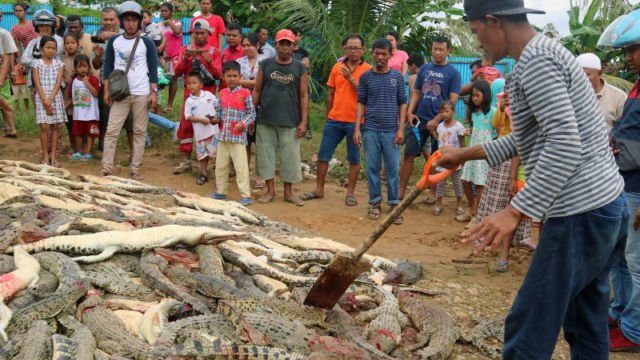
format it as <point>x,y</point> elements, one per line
<point>202,179</point>
<point>430,200</point>
<point>398,220</point>
<point>218,196</point>
<point>265,199</point>
<point>350,200</point>
<point>260,184</point>
<point>76,156</point>
<point>437,210</point>
<point>295,200</point>
<point>103,173</point>
<point>311,195</point>
<point>374,212</point>
<point>55,163</point>
<point>459,211</point>
<point>245,201</point>
<point>471,223</point>
<point>501,266</point>
<point>463,218</point>
<point>136,175</point>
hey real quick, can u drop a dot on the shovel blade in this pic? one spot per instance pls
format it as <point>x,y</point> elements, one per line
<point>335,279</point>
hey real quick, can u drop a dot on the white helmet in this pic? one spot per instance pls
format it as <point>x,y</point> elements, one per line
<point>130,7</point>
<point>43,17</point>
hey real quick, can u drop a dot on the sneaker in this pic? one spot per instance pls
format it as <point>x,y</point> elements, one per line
<point>245,201</point>
<point>76,156</point>
<point>185,166</point>
<point>308,134</point>
<point>618,343</point>
<point>218,196</point>
<point>86,157</point>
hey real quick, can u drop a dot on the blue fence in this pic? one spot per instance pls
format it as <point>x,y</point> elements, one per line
<point>91,24</point>
<point>463,65</point>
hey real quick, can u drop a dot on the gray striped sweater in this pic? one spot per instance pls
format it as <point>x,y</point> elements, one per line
<point>559,133</point>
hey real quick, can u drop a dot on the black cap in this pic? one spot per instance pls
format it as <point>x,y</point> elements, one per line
<point>476,9</point>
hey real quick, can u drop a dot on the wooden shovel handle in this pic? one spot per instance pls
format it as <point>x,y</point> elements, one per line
<point>384,225</point>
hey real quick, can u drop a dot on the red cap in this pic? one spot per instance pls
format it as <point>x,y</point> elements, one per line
<point>285,34</point>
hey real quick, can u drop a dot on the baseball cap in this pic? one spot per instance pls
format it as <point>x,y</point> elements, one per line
<point>477,9</point>
<point>285,34</point>
<point>589,61</point>
<point>201,24</point>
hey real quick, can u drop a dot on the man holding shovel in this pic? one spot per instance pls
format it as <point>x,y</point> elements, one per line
<point>572,183</point>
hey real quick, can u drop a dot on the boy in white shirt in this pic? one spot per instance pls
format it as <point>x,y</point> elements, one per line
<point>200,109</point>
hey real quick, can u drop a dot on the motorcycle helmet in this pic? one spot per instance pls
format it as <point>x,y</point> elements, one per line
<point>130,7</point>
<point>44,17</point>
<point>622,33</point>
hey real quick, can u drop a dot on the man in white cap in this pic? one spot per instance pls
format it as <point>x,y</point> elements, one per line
<point>610,97</point>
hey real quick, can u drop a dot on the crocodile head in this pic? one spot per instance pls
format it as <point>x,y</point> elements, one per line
<point>405,272</point>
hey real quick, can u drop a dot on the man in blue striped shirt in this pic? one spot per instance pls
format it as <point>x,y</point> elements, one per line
<point>572,182</point>
<point>382,93</point>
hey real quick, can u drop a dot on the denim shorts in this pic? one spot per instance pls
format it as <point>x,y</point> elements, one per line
<point>332,135</point>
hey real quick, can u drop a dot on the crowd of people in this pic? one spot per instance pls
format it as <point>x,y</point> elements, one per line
<point>553,142</point>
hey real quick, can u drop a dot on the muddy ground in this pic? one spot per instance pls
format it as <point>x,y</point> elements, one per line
<point>469,292</point>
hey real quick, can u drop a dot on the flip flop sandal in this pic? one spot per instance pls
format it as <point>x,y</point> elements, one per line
<point>295,200</point>
<point>11,136</point>
<point>245,201</point>
<point>260,185</point>
<point>103,173</point>
<point>55,163</point>
<point>374,212</point>
<point>136,175</point>
<point>501,266</point>
<point>350,201</point>
<point>202,179</point>
<point>265,199</point>
<point>430,200</point>
<point>218,196</point>
<point>311,195</point>
<point>463,218</point>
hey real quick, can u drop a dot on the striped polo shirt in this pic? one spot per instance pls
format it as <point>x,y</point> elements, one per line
<point>559,133</point>
<point>382,94</point>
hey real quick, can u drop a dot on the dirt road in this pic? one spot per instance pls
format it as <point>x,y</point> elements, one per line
<point>470,292</point>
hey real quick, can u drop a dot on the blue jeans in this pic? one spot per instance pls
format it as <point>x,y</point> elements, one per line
<point>567,286</point>
<point>625,276</point>
<point>379,145</point>
<point>163,123</point>
<point>332,135</point>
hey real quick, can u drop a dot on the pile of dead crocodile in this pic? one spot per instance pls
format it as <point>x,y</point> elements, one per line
<point>111,268</point>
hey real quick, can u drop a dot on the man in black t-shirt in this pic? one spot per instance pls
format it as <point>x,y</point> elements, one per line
<point>281,92</point>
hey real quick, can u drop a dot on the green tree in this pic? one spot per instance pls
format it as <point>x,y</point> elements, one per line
<point>329,20</point>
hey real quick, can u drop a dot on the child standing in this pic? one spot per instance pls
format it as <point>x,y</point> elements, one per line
<point>381,91</point>
<point>84,92</point>
<point>19,86</point>
<point>236,112</point>
<point>450,133</point>
<point>47,80</point>
<point>71,45</point>
<point>480,116</point>
<point>200,110</point>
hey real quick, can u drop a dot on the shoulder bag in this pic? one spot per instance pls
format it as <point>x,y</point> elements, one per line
<point>118,81</point>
